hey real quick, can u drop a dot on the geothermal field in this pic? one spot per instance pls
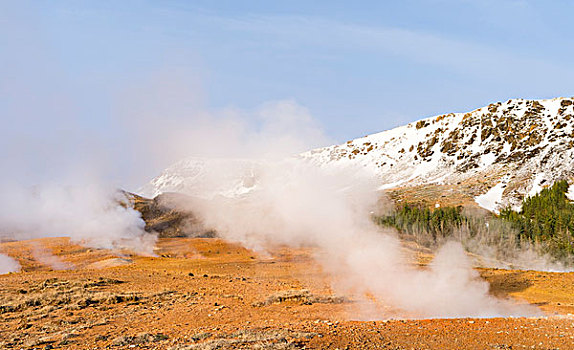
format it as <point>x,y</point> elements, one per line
<point>207,293</point>
<point>200,174</point>
<point>296,261</point>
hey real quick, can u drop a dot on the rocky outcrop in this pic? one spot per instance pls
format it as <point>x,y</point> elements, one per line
<point>169,215</point>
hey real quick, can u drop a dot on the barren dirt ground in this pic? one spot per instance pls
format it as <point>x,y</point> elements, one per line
<point>209,294</point>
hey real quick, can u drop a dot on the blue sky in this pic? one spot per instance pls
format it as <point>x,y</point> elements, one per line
<point>358,67</point>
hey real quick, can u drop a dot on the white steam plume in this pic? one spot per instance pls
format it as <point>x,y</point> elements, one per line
<point>295,203</point>
<point>495,243</point>
<point>48,136</point>
<point>167,114</point>
<point>8,264</point>
<point>90,215</point>
<point>45,257</point>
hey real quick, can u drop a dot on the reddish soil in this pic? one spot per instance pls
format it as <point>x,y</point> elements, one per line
<point>210,294</point>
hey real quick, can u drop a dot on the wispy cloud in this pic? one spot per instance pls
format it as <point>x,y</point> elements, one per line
<point>288,34</point>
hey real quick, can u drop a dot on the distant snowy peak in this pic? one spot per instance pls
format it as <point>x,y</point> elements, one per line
<point>496,155</point>
<point>205,178</point>
<point>519,145</point>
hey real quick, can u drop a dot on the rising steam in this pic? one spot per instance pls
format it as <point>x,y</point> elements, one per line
<point>295,203</point>
<point>290,202</point>
<point>8,264</point>
<point>45,257</point>
<point>90,215</point>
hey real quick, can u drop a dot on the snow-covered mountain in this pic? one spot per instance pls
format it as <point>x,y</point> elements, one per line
<point>492,156</point>
<point>205,177</point>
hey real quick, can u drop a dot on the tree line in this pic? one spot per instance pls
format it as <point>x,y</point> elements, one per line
<point>545,221</point>
<point>547,217</point>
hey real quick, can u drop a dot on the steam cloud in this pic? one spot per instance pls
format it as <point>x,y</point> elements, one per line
<point>295,203</point>
<point>90,215</point>
<point>8,264</point>
<point>43,256</point>
<point>291,202</point>
<point>491,250</point>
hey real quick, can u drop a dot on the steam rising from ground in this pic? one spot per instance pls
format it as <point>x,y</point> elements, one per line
<point>495,243</point>
<point>295,203</point>
<point>161,122</point>
<point>290,202</point>
<point>497,246</point>
<point>8,264</point>
<point>90,215</point>
<point>43,256</point>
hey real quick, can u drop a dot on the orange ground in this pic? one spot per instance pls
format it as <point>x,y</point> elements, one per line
<point>209,294</point>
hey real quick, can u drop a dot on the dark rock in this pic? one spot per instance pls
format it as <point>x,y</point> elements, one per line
<point>170,215</point>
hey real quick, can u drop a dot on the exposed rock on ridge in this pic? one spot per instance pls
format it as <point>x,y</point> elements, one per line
<point>518,146</point>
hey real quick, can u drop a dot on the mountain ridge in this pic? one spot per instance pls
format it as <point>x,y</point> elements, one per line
<point>492,156</point>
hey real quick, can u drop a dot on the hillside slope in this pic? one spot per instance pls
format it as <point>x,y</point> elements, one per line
<point>492,156</point>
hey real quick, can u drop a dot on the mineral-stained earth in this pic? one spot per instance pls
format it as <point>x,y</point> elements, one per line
<point>206,293</point>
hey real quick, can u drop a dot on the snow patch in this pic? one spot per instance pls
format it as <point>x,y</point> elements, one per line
<point>570,193</point>
<point>493,198</point>
<point>487,159</point>
<point>390,185</point>
<point>536,185</point>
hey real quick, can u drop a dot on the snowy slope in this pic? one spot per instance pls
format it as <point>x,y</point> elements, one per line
<point>516,147</point>
<point>528,144</point>
<point>205,178</point>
